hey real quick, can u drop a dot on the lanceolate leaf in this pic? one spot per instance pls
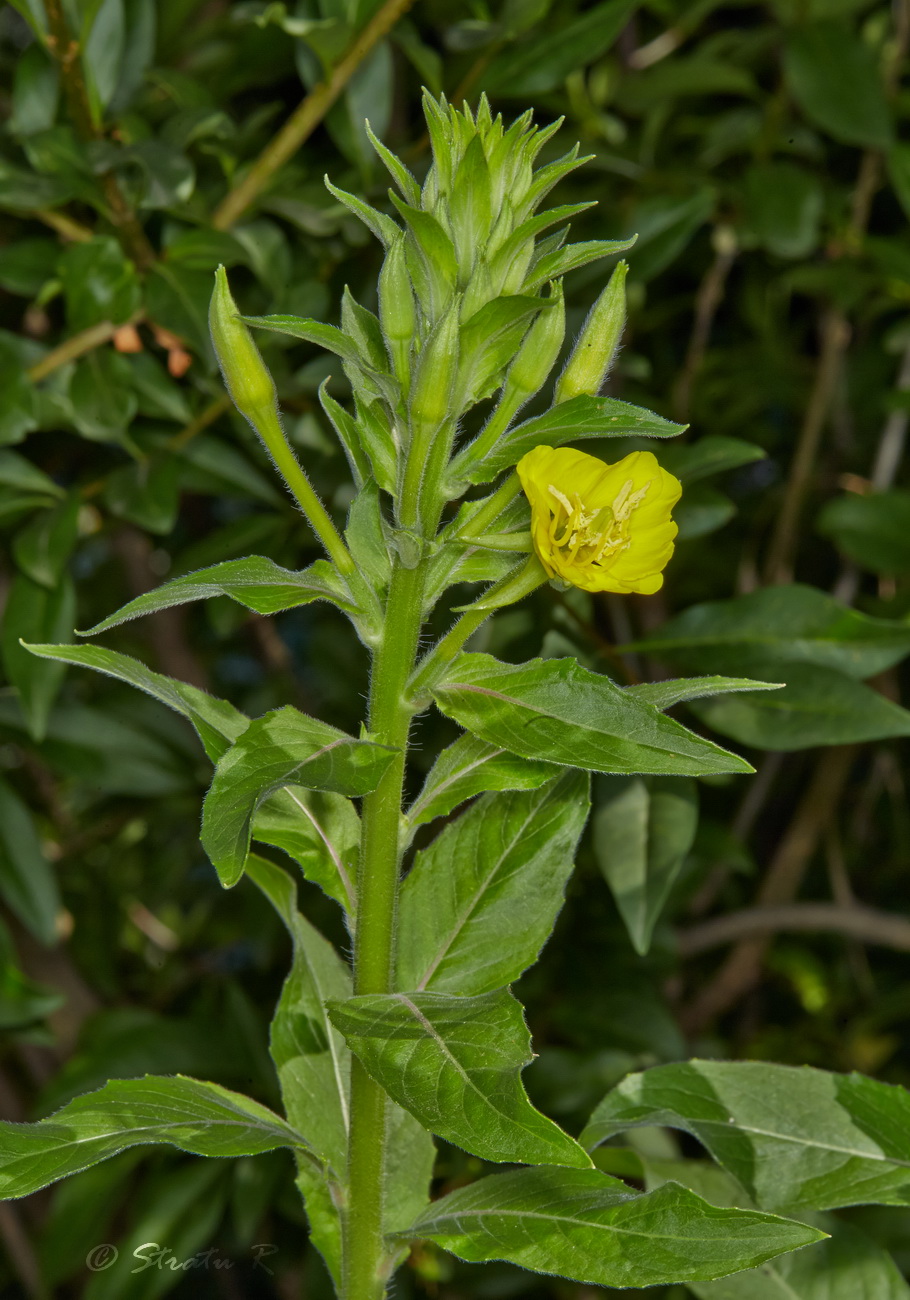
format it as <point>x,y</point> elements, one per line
<point>202,1118</point>
<point>817,706</point>
<point>582,417</point>
<point>848,1264</point>
<point>472,766</point>
<point>311,331</point>
<point>568,259</point>
<point>796,1139</point>
<point>320,831</point>
<point>311,1058</point>
<point>480,902</point>
<point>643,829</point>
<point>796,624</point>
<point>455,1064</point>
<point>556,710</point>
<point>217,722</point>
<point>663,695</point>
<point>257,583</point>
<point>284,747</point>
<point>584,1225</point>
<point>28,884</point>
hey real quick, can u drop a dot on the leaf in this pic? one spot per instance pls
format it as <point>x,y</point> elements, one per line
<point>793,624</point>
<point>202,1118</point>
<point>712,454</point>
<point>556,710</point>
<point>582,417</point>
<point>310,1055</point>
<point>378,223</point>
<point>177,298</point>
<point>468,767</point>
<point>817,706</point>
<point>99,283</point>
<point>663,695</point>
<point>217,723</point>
<point>283,747</point>
<point>542,63</point>
<point>311,1059</point>
<point>836,79</point>
<point>313,1066</point>
<point>311,331</point>
<point>146,493</point>
<point>19,473</point>
<point>101,398</point>
<point>643,829</point>
<point>365,537</point>
<point>27,882</point>
<point>666,224</point>
<point>256,583</point>
<point>847,1265</point>
<point>702,510</point>
<point>582,1224</point>
<point>32,613</point>
<point>873,531</point>
<point>455,1064</point>
<point>321,832</point>
<point>563,260</point>
<point>796,1139</point>
<point>479,904</point>
<point>36,92</point>
<point>43,547</point>
<point>177,1202</point>
<point>784,204</point>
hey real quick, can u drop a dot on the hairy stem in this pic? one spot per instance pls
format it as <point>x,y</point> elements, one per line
<point>377,887</point>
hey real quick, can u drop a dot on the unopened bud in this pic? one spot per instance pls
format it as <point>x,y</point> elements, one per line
<point>396,310</point>
<point>248,381</point>
<point>590,362</point>
<point>437,367</point>
<point>538,352</point>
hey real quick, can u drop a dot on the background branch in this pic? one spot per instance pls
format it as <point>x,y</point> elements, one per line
<point>306,117</point>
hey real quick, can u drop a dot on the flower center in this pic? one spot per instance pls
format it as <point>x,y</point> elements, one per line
<point>590,537</point>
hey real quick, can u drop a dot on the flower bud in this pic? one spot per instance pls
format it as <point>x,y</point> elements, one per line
<point>437,367</point>
<point>590,362</point>
<point>248,381</point>
<point>538,352</point>
<point>396,310</point>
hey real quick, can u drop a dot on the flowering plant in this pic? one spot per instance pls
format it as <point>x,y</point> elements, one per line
<point>420,1035</point>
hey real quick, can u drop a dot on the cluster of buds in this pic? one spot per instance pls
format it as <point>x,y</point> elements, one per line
<point>470,305</point>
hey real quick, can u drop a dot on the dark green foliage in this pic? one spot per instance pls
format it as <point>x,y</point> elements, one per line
<point>758,152</point>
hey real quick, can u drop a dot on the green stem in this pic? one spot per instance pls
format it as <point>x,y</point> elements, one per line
<point>491,509</point>
<point>390,720</point>
<point>272,434</point>
<point>513,587</point>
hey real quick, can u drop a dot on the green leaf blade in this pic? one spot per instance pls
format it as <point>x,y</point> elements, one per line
<point>202,1118</point>
<point>217,723</point>
<point>455,1063</point>
<point>255,582</point>
<point>471,766</point>
<point>582,1224</point>
<point>796,1139</point>
<point>480,902</point>
<point>582,417</point>
<point>793,623</point>
<point>283,747</point>
<point>553,709</point>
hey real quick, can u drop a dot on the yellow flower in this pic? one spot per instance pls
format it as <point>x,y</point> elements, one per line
<point>601,527</point>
